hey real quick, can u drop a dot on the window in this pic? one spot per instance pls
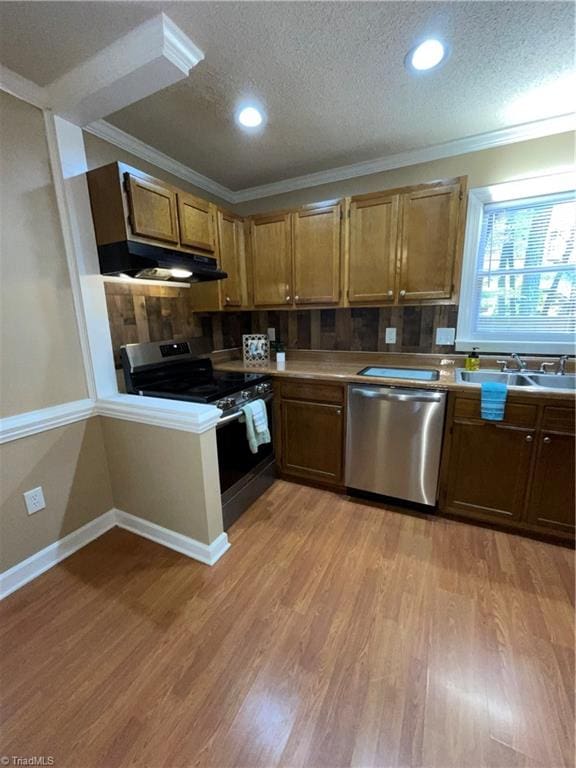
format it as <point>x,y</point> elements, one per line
<point>519,277</point>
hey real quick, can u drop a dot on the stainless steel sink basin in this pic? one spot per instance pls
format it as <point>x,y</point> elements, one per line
<point>526,379</point>
<point>567,381</point>
<point>480,377</point>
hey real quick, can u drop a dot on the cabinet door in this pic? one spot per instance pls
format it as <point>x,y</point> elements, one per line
<point>271,260</point>
<point>551,502</point>
<point>196,222</point>
<point>488,471</point>
<point>373,249</point>
<point>316,233</point>
<point>312,435</point>
<point>152,209</point>
<point>231,239</point>
<point>428,242</point>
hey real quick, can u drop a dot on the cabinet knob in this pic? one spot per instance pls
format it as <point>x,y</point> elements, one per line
<point>338,411</point>
<point>402,293</point>
<point>287,298</point>
<point>528,438</point>
<point>390,293</point>
<point>227,298</point>
<point>296,298</point>
<point>547,440</point>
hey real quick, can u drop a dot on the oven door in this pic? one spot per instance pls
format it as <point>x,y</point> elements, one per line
<point>243,475</point>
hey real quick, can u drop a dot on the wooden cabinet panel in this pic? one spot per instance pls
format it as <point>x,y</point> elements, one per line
<point>429,235</point>
<point>231,240</point>
<point>551,503</point>
<point>488,472</point>
<point>152,209</point>
<point>373,249</point>
<point>312,439</point>
<point>303,390</point>
<point>196,222</point>
<point>316,253</point>
<point>515,414</point>
<point>271,260</point>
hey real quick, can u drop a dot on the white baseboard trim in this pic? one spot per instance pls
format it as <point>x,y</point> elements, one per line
<point>35,565</point>
<point>205,553</point>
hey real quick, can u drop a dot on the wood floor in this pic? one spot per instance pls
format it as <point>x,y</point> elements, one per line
<point>331,634</point>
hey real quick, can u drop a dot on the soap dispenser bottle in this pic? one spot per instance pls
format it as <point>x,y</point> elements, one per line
<point>473,360</point>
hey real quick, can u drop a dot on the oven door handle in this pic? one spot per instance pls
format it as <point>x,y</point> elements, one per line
<point>236,415</point>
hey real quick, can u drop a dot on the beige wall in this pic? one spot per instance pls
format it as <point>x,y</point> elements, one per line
<point>166,476</point>
<point>100,152</point>
<point>39,342</point>
<point>486,167</point>
<point>70,464</point>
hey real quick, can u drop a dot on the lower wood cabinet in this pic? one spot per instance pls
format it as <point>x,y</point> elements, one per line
<point>310,428</point>
<point>519,472</point>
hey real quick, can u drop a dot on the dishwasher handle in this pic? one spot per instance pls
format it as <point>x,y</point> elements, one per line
<point>403,395</point>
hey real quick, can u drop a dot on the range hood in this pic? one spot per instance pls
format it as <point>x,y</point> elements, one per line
<point>129,258</point>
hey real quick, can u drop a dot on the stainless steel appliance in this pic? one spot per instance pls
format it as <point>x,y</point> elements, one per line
<point>394,439</point>
<point>176,370</point>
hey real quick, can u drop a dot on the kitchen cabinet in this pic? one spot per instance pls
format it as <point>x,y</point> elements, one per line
<point>429,239</point>
<point>310,427</point>
<point>316,254</point>
<point>152,209</point>
<point>196,218</point>
<point>373,248</point>
<point>232,258</point>
<point>551,503</point>
<point>271,259</point>
<point>518,472</point>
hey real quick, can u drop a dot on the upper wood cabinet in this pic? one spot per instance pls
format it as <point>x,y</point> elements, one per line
<point>316,254</point>
<point>373,248</point>
<point>429,236</point>
<point>270,236</point>
<point>231,247</point>
<point>196,218</point>
<point>152,209</point>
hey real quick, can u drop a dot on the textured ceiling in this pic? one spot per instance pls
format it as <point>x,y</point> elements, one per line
<point>330,75</point>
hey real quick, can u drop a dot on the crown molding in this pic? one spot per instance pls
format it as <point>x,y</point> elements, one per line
<point>28,91</point>
<point>23,89</point>
<point>108,132</point>
<point>499,138</point>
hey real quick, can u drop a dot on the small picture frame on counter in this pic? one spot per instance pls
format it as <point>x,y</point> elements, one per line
<point>255,349</point>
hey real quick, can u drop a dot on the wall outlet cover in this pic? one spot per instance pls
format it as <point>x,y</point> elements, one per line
<point>34,500</point>
<point>445,336</point>
<point>271,334</point>
<point>390,336</point>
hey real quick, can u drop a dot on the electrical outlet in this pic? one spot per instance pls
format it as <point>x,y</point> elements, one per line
<point>445,336</point>
<point>271,334</point>
<point>34,500</point>
<point>390,336</point>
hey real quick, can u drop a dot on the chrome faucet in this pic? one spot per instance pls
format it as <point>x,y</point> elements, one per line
<point>519,362</point>
<point>562,360</point>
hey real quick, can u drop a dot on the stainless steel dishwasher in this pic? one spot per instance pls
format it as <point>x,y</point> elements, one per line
<point>394,439</point>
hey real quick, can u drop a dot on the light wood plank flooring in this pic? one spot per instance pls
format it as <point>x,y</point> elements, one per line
<point>331,634</point>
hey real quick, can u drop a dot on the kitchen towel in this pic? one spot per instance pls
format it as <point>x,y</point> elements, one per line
<point>493,402</point>
<point>256,418</point>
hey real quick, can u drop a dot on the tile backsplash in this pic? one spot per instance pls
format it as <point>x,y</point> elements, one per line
<point>140,313</point>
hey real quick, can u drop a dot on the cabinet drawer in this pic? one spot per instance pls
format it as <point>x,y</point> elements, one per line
<point>558,419</point>
<point>516,414</point>
<point>323,393</point>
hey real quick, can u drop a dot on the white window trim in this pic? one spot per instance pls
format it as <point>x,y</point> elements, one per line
<point>477,199</point>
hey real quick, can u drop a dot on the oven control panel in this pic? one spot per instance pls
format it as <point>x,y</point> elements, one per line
<point>239,398</point>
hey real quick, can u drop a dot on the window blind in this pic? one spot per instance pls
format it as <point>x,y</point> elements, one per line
<point>525,279</point>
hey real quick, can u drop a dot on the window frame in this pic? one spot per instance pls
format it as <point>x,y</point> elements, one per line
<point>477,199</point>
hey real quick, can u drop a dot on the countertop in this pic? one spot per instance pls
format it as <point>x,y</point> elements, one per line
<point>344,367</point>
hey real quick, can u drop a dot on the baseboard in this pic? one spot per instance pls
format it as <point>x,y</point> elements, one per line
<point>205,553</point>
<point>35,565</point>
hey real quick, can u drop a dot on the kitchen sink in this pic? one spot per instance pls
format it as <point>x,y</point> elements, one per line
<point>526,379</point>
<point>480,377</point>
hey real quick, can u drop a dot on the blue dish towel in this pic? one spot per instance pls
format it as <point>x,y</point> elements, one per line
<point>493,400</point>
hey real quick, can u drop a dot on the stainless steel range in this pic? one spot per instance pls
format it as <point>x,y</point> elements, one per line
<point>181,370</point>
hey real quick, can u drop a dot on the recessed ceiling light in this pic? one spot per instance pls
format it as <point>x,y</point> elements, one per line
<point>249,117</point>
<point>426,56</point>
